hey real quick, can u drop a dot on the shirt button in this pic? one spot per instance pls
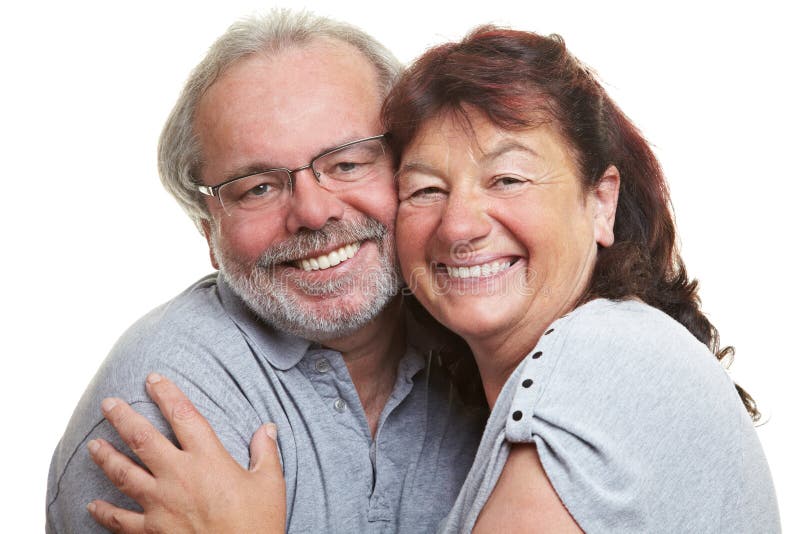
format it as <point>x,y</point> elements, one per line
<point>339,405</point>
<point>322,365</point>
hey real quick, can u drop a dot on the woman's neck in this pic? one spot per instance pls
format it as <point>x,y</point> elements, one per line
<point>497,356</point>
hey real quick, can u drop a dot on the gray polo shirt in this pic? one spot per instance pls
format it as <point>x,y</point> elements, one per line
<point>240,373</point>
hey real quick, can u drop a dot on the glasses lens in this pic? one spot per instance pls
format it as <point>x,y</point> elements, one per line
<point>360,161</point>
<point>255,192</point>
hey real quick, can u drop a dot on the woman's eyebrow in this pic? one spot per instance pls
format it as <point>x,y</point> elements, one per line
<point>505,147</point>
<point>419,167</point>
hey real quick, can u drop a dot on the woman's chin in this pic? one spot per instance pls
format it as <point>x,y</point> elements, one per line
<point>475,319</point>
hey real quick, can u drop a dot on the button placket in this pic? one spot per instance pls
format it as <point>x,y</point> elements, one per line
<point>322,365</point>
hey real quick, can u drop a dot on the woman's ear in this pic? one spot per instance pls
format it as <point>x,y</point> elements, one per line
<point>605,193</point>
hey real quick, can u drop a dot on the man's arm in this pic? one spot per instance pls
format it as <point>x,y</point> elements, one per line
<point>75,480</point>
<point>198,488</point>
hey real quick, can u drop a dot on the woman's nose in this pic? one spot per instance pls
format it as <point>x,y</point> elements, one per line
<point>464,218</point>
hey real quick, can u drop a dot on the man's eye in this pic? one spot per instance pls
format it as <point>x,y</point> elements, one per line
<point>346,166</point>
<point>259,190</point>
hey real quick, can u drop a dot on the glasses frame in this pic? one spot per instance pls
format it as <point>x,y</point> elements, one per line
<point>213,190</point>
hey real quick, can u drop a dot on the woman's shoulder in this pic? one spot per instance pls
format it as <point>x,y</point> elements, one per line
<point>623,358</point>
<point>621,321</point>
<point>628,411</point>
<point>631,337</point>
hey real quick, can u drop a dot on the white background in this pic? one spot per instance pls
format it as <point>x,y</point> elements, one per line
<point>92,241</point>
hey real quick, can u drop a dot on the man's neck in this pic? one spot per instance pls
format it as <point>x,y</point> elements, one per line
<point>371,355</point>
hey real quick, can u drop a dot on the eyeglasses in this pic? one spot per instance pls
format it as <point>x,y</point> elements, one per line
<point>337,169</point>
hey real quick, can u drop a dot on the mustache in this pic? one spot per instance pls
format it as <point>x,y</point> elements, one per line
<point>307,242</point>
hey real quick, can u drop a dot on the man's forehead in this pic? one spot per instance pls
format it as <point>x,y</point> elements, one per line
<point>313,64</point>
<point>282,109</point>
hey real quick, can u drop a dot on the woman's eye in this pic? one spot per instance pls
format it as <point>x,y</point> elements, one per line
<point>508,181</point>
<point>426,191</point>
<point>427,194</point>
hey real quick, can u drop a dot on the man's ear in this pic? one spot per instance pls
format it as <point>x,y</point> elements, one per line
<point>206,224</point>
<point>605,194</point>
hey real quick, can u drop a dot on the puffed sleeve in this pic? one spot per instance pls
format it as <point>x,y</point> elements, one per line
<point>638,427</point>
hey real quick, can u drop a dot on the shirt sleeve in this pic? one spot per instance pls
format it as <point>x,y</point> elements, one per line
<point>637,425</point>
<point>74,480</point>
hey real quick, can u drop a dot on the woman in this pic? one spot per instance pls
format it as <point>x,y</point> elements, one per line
<point>534,222</point>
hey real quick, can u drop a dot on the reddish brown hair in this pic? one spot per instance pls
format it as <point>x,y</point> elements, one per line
<point>519,79</point>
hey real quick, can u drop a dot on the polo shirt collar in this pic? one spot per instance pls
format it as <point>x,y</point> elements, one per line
<point>283,351</point>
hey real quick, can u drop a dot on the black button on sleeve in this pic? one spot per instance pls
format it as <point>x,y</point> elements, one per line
<point>517,415</point>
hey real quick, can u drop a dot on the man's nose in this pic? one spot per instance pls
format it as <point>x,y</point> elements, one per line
<point>311,205</point>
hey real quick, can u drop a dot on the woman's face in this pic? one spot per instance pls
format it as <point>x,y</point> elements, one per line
<point>495,232</point>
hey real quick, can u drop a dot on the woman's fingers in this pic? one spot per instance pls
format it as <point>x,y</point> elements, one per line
<point>264,456</point>
<point>116,519</point>
<point>190,427</point>
<point>152,448</point>
<point>123,472</point>
<point>265,467</point>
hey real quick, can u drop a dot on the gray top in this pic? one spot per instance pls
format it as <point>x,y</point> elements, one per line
<point>637,425</point>
<point>240,374</point>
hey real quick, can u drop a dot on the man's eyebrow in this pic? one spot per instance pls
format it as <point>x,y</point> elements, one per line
<point>257,168</point>
<point>247,170</point>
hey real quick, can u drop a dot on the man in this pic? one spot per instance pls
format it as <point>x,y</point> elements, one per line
<point>303,326</point>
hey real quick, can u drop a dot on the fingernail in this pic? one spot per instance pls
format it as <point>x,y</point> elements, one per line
<point>153,378</point>
<point>93,446</point>
<point>91,507</point>
<point>108,404</point>
<point>271,430</point>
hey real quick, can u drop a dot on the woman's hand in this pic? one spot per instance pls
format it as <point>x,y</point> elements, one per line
<point>199,488</point>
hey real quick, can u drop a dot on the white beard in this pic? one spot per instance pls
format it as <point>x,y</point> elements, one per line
<point>280,301</point>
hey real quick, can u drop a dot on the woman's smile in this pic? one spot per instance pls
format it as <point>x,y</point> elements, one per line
<point>495,230</point>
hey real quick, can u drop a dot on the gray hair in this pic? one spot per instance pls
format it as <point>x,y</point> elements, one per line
<point>179,154</point>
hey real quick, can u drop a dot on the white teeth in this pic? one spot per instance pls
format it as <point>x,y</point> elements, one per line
<point>331,259</point>
<point>478,271</point>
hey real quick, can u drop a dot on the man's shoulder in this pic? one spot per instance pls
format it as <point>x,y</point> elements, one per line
<point>190,338</point>
<point>194,310</point>
<point>192,324</point>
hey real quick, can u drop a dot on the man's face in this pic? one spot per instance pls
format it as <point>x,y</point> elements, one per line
<point>281,111</point>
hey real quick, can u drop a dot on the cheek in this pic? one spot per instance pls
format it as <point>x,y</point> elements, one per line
<point>414,228</point>
<point>245,241</point>
<point>377,200</point>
